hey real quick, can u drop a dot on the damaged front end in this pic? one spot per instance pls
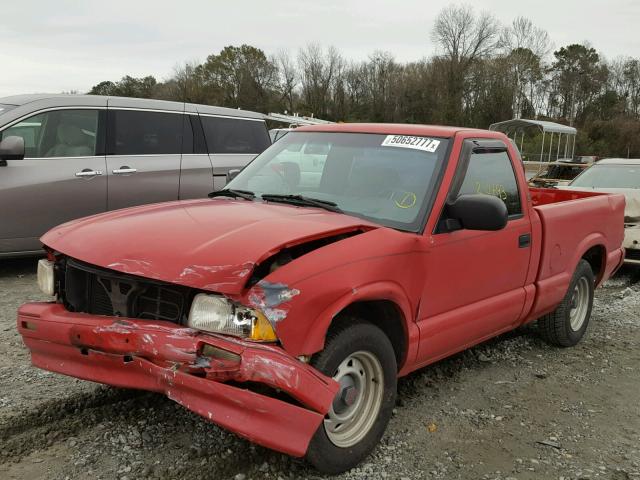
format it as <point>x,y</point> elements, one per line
<point>205,351</point>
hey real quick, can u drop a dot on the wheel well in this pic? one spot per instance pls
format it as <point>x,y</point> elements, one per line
<point>595,256</point>
<point>385,315</point>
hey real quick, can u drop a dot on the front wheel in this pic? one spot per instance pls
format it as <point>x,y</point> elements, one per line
<point>360,357</point>
<point>567,324</point>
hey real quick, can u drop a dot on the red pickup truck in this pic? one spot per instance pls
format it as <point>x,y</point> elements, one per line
<point>285,307</point>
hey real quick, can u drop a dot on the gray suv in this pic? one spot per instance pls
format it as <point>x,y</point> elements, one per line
<point>68,156</point>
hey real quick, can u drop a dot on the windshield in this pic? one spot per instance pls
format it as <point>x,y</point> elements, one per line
<point>389,179</point>
<point>609,176</point>
<point>5,108</point>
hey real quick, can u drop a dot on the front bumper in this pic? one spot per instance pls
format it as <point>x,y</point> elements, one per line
<point>166,358</point>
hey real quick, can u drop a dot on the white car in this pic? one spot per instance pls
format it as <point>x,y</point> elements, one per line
<point>617,175</point>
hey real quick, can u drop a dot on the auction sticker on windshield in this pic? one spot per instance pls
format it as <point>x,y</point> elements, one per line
<point>407,141</point>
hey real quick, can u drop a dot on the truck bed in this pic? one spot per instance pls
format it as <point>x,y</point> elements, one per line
<point>545,196</point>
<point>571,223</point>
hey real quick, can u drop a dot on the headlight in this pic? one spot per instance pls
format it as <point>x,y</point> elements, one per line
<point>215,313</point>
<point>46,280</point>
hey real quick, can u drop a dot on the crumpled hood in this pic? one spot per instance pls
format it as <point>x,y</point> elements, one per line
<point>207,244</point>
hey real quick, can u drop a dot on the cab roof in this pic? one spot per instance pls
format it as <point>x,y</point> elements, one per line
<point>396,129</point>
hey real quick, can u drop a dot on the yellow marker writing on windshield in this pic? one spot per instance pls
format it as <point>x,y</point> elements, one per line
<point>408,200</point>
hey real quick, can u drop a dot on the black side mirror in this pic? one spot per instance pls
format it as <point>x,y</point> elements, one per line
<point>233,173</point>
<point>479,212</point>
<point>11,148</point>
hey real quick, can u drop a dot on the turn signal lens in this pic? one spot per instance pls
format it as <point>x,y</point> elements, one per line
<point>261,329</point>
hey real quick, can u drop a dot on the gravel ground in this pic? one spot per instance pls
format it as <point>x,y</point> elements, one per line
<point>510,408</point>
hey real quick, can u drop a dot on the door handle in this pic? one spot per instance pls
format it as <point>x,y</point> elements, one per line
<point>87,172</point>
<point>524,240</point>
<point>124,169</point>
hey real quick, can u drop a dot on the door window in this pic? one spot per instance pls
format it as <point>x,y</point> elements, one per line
<point>135,132</point>
<point>59,133</point>
<point>491,173</point>
<point>231,135</point>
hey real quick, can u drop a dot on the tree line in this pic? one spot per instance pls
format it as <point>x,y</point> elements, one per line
<point>484,72</point>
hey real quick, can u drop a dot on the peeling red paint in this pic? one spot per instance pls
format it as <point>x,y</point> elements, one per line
<point>272,299</point>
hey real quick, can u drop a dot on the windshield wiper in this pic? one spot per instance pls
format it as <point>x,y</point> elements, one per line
<point>228,192</point>
<point>302,201</point>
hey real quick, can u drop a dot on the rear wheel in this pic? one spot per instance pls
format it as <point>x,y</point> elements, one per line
<point>360,357</point>
<point>567,324</point>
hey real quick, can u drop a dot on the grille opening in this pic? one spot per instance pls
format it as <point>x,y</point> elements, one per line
<point>97,291</point>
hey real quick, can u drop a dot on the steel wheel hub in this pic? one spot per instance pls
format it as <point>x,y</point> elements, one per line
<point>579,304</point>
<point>356,406</point>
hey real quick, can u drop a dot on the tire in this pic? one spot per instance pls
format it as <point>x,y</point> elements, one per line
<point>567,324</point>
<point>355,353</point>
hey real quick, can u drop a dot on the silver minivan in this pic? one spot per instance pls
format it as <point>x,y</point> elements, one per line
<point>68,156</point>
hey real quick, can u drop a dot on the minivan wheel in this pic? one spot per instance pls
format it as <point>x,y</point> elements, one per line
<point>360,357</point>
<point>567,324</point>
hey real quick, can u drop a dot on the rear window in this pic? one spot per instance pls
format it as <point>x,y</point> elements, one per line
<point>492,174</point>
<point>145,133</point>
<point>231,135</point>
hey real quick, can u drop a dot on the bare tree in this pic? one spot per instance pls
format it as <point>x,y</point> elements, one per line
<point>382,78</point>
<point>525,46</point>
<point>318,71</point>
<point>187,84</point>
<point>523,34</point>
<point>288,77</point>
<point>464,37</point>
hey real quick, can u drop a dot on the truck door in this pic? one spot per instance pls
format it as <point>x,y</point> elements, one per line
<point>143,156</point>
<point>475,280</point>
<point>61,178</point>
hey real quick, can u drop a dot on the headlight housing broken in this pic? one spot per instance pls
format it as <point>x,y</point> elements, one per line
<point>218,314</point>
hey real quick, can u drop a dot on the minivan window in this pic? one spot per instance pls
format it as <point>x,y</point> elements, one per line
<point>59,133</point>
<point>135,132</point>
<point>492,174</point>
<point>231,135</point>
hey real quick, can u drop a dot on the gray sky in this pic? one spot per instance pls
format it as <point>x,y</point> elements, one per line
<point>62,45</point>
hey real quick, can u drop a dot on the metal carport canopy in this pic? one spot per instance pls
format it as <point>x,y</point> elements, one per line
<point>521,123</point>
